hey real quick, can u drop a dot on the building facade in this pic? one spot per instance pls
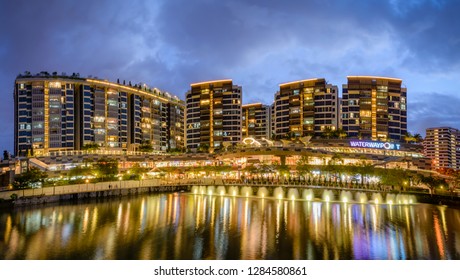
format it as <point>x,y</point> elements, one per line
<point>256,121</point>
<point>62,113</point>
<point>442,145</point>
<point>374,108</point>
<point>305,108</point>
<point>213,115</point>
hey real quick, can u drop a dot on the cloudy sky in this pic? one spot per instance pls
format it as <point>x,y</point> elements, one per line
<point>259,44</point>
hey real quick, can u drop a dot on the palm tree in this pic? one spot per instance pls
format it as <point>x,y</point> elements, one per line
<point>303,166</point>
<point>341,134</point>
<point>408,137</point>
<point>327,132</point>
<point>418,138</point>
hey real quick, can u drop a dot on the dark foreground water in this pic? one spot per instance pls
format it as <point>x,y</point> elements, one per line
<point>186,226</point>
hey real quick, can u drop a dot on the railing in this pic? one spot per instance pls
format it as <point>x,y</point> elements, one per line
<point>132,184</point>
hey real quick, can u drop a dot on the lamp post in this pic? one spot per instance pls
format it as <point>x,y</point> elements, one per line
<point>87,184</point>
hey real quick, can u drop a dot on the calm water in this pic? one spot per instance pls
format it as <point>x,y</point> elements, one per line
<point>186,226</point>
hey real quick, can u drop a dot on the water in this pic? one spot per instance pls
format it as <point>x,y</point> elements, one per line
<point>203,226</point>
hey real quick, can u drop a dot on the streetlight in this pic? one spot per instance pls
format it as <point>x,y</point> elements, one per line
<point>87,184</point>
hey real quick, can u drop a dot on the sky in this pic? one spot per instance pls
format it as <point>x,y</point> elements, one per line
<point>170,44</point>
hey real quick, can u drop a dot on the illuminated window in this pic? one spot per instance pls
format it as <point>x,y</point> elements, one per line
<point>365,113</point>
<point>308,121</point>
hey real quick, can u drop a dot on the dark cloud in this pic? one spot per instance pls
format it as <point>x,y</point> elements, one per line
<point>259,44</point>
<point>433,110</point>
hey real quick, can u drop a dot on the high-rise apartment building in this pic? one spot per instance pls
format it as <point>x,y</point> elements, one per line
<point>442,145</point>
<point>374,108</point>
<point>305,107</point>
<point>256,121</point>
<point>213,115</point>
<point>59,112</point>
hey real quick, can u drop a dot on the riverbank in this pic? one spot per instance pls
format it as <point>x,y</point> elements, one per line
<point>126,188</point>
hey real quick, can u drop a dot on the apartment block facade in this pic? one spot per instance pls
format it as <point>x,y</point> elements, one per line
<point>442,145</point>
<point>213,115</point>
<point>59,113</point>
<point>256,121</point>
<point>374,108</point>
<point>305,108</point>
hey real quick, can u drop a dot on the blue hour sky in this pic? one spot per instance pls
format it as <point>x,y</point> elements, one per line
<point>169,44</point>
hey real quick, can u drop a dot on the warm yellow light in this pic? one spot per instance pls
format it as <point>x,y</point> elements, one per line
<point>299,81</point>
<point>251,105</point>
<point>211,82</point>
<point>374,77</point>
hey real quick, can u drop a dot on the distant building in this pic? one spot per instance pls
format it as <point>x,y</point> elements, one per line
<point>374,108</point>
<point>65,113</point>
<point>442,145</point>
<point>213,115</point>
<point>305,107</point>
<point>256,121</point>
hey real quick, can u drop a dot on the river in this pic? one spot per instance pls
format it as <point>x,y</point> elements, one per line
<point>195,226</point>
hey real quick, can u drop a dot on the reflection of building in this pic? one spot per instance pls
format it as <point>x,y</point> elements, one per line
<point>58,113</point>
<point>256,121</point>
<point>213,115</point>
<point>442,145</point>
<point>305,107</point>
<point>374,108</point>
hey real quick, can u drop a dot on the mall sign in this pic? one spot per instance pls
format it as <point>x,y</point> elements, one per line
<point>374,145</point>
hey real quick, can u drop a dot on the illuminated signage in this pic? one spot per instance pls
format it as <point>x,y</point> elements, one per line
<point>375,145</point>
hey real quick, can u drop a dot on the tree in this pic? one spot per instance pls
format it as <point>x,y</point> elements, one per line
<point>90,147</point>
<point>204,148</point>
<point>418,138</point>
<point>27,179</point>
<point>303,166</point>
<point>335,165</point>
<point>341,133</point>
<point>145,147</point>
<point>80,171</point>
<point>6,155</point>
<point>409,138</point>
<point>393,177</point>
<point>137,171</point>
<point>433,182</point>
<point>363,168</point>
<point>327,132</point>
<point>106,168</point>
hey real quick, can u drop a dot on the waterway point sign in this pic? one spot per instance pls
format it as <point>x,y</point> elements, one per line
<point>374,145</point>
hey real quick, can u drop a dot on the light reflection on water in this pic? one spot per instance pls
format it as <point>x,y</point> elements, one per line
<point>187,226</point>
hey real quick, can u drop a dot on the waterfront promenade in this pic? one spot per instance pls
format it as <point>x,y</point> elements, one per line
<point>129,187</point>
